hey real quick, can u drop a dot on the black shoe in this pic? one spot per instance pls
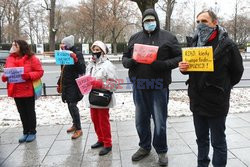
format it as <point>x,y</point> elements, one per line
<point>105,150</point>
<point>97,145</point>
<point>140,154</point>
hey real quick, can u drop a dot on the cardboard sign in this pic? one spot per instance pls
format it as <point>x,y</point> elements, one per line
<point>145,54</point>
<point>14,74</point>
<point>199,58</point>
<point>63,57</point>
<point>84,84</point>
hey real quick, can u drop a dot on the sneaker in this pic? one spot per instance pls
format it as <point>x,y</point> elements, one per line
<point>23,138</point>
<point>71,129</point>
<point>31,137</point>
<point>163,159</point>
<point>76,134</point>
<point>97,145</point>
<point>140,154</point>
<point>105,150</point>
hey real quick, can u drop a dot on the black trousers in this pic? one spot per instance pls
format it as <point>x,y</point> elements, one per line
<point>26,109</point>
<point>74,112</point>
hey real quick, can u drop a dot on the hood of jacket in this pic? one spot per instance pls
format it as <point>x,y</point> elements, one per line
<point>222,32</point>
<point>151,12</point>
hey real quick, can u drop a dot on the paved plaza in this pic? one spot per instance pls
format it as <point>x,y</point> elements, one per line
<point>54,147</point>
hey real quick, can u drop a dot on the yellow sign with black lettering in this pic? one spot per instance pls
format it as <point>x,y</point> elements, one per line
<point>199,58</point>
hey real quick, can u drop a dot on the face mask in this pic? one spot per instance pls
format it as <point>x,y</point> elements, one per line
<point>13,49</point>
<point>150,26</point>
<point>96,55</point>
<point>203,32</point>
<point>64,47</point>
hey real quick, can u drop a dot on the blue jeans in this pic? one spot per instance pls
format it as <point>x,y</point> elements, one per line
<point>151,103</point>
<point>217,128</point>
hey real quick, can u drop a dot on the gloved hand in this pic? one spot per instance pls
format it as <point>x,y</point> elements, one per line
<point>131,63</point>
<point>4,78</point>
<point>73,55</point>
<point>26,76</point>
<point>97,84</point>
<point>58,88</point>
<point>158,65</point>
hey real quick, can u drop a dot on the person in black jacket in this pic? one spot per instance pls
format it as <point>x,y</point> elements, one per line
<point>209,92</point>
<point>150,84</point>
<point>68,86</point>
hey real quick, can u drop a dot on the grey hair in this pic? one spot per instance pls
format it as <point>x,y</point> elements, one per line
<point>210,13</point>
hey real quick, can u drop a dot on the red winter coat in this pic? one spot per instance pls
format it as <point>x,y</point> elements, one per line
<point>32,66</point>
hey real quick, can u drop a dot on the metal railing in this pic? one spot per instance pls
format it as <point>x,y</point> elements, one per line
<point>129,87</point>
<point>118,57</point>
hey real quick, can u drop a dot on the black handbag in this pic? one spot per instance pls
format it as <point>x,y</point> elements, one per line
<point>100,97</point>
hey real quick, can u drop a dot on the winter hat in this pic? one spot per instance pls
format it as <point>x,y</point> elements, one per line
<point>69,41</point>
<point>101,45</point>
<point>149,17</point>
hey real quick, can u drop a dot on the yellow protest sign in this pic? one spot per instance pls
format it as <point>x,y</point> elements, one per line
<point>199,58</point>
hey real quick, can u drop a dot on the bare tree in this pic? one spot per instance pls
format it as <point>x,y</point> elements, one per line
<point>145,4</point>
<point>3,5</point>
<point>93,19</point>
<point>90,13</point>
<point>29,22</point>
<point>168,7</point>
<point>120,12</point>
<point>52,29</point>
<point>235,19</point>
<point>14,16</point>
<point>242,32</point>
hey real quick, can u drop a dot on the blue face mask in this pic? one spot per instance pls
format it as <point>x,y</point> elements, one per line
<point>149,26</point>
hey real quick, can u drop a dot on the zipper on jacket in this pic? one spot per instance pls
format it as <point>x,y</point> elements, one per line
<point>149,36</point>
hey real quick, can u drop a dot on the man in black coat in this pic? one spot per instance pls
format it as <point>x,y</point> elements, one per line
<point>150,84</point>
<point>209,92</point>
<point>68,86</point>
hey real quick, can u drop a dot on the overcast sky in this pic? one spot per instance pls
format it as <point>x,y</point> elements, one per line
<point>225,7</point>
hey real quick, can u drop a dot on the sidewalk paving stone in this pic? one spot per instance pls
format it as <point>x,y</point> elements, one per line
<point>53,146</point>
<point>68,160</point>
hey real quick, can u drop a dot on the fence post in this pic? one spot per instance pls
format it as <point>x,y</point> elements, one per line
<point>44,89</point>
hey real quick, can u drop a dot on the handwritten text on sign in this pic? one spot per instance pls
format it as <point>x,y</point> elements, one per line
<point>14,74</point>
<point>199,58</point>
<point>84,84</point>
<point>145,54</point>
<point>63,57</point>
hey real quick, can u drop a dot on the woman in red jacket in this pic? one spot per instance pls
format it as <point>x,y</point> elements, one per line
<point>23,92</point>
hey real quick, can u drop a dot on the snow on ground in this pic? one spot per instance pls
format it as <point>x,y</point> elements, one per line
<point>51,110</point>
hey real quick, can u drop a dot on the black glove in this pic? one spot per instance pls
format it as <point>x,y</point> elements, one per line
<point>131,63</point>
<point>158,66</point>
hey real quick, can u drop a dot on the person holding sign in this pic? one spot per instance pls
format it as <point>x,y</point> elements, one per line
<point>209,92</point>
<point>151,55</point>
<point>22,91</point>
<point>103,74</point>
<point>67,85</point>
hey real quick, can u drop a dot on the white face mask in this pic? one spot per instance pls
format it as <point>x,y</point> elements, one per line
<point>13,49</point>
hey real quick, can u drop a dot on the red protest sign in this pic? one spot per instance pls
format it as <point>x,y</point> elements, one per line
<point>145,54</point>
<point>84,84</point>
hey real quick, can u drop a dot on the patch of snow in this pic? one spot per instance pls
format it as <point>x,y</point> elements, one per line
<point>51,110</point>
